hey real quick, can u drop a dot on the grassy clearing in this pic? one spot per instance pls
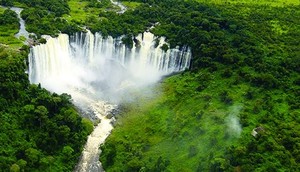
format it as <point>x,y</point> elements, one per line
<point>81,11</point>
<point>7,37</point>
<point>255,2</point>
<point>78,11</point>
<point>7,34</point>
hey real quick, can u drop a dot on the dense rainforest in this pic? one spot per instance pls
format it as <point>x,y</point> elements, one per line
<point>244,73</point>
<point>244,79</point>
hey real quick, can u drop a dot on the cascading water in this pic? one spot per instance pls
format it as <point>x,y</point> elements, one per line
<point>96,70</point>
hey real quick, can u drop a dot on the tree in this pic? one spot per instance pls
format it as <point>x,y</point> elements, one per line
<point>7,3</point>
<point>15,168</point>
<point>41,114</point>
<point>33,157</point>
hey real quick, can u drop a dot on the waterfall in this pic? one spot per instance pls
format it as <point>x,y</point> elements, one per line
<point>96,70</point>
<point>100,65</point>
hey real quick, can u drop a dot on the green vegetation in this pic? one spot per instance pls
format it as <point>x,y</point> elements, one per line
<point>245,72</point>
<point>83,11</point>
<point>39,130</point>
<point>245,66</point>
<point>78,11</point>
<point>9,26</point>
<point>40,21</point>
<point>131,5</point>
<point>193,122</point>
<point>44,17</point>
<point>59,16</point>
<point>2,9</point>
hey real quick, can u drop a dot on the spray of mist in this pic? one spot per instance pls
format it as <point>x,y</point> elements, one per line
<point>100,72</point>
<point>103,68</point>
<point>234,128</point>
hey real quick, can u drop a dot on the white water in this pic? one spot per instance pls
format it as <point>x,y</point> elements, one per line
<point>97,70</point>
<point>104,67</point>
<point>89,160</point>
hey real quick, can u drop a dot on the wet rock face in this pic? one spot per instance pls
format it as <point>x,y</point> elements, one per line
<point>109,116</point>
<point>115,111</point>
<point>88,113</point>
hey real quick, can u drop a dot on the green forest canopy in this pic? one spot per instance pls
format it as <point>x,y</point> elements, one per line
<point>245,60</point>
<point>245,57</point>
<point>39,130</point>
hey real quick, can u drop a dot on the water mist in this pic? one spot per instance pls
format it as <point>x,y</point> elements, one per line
<point>99,72</point>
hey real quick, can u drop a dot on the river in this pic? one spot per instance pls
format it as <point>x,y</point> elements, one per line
<point>22,31</point>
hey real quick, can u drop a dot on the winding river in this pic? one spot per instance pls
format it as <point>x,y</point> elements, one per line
<point>22,31</point>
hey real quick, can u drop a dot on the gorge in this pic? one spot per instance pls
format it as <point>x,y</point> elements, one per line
<point>99,72</point>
